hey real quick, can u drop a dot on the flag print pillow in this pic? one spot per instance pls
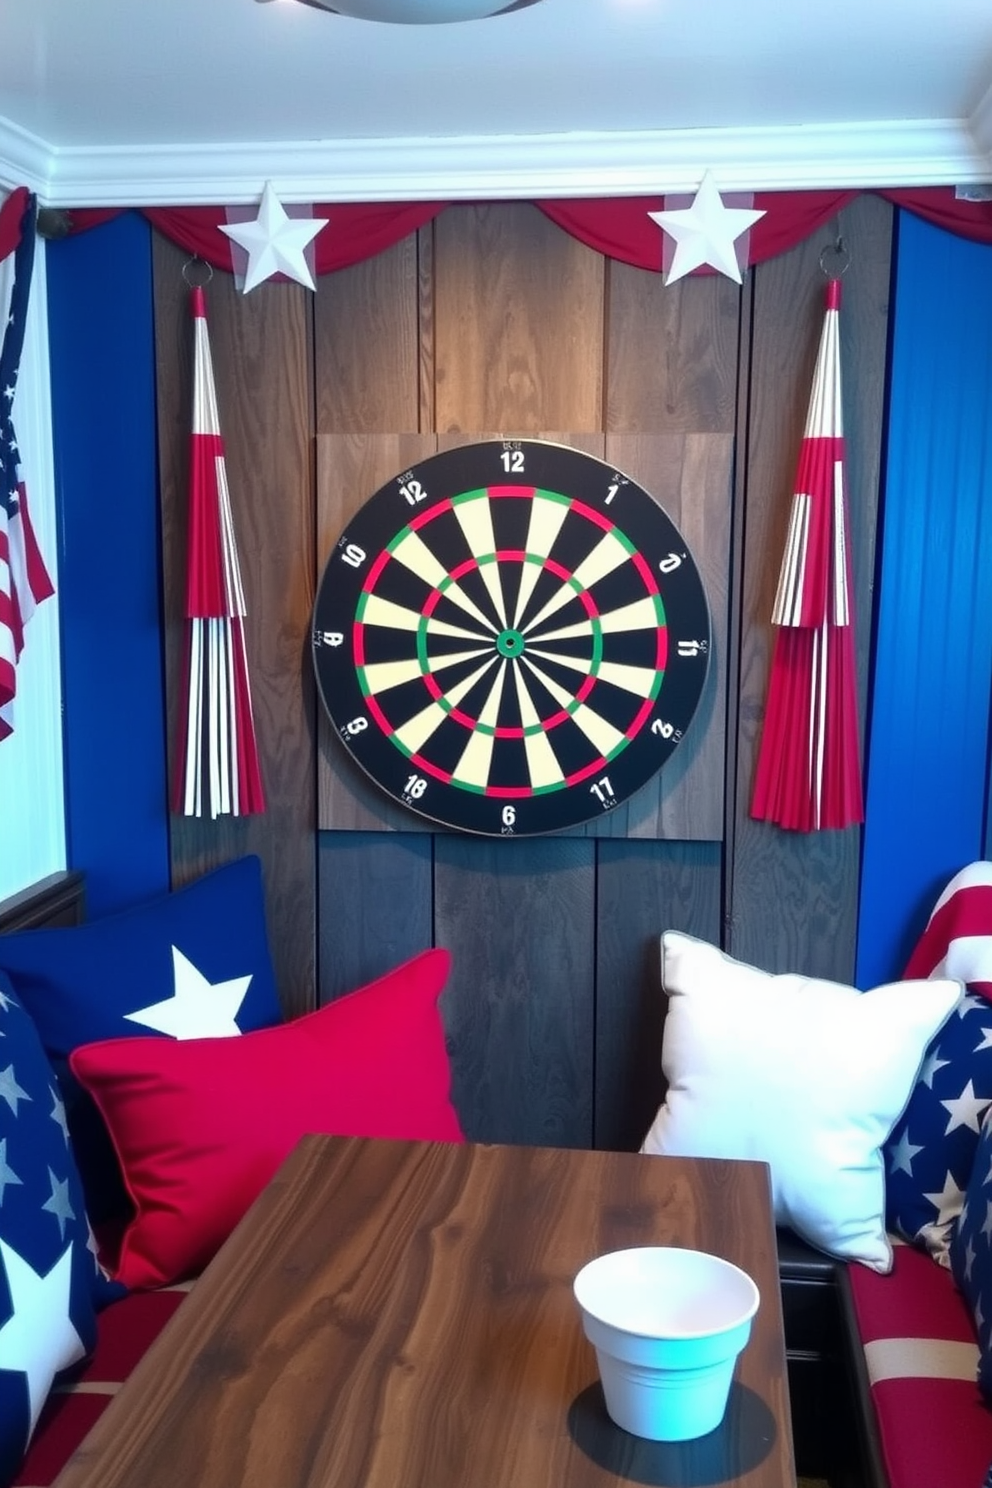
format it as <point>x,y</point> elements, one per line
<point>50,1284</point>
<point>971,1253</point>
<point>194,963</point>
<point>931,1150</point>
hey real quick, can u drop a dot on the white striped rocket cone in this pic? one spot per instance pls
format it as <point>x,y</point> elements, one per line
<point>217,760</point>
<point>809,769</point>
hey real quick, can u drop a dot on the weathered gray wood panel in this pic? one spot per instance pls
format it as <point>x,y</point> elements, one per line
<point>793,897</point>
<point>642,890</point>
<point>518,917</point>
<point>375,906</point>
<point>518,322</point>
<point>691,476</point>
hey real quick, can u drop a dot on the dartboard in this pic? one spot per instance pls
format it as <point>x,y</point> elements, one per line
<point>511,637</point>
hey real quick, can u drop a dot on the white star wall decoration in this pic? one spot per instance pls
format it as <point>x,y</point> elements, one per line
<point>706,232</point>
<point>275,242</point>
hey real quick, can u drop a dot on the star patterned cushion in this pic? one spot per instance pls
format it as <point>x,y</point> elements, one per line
<point>201,1126</point>
<point>804,1074</point>
<point>971,1252</point>
<point>929,1155</point>
<point>50,1284</point>
<point>194,963</point>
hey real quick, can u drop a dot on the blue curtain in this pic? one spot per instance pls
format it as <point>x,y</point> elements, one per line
<point>101,331</point>
<point>929,717</point>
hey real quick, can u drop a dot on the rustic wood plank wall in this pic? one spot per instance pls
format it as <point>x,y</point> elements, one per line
<point>793,898</point>
<point>262,350</point>
<point>492,320</point>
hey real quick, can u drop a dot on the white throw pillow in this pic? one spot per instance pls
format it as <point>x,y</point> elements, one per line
<point>806,1075</point>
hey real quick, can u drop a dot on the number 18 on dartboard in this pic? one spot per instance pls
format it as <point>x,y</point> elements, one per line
<point>511,637</point>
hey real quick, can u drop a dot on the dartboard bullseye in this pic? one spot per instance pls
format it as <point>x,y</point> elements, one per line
<point>511,637</point>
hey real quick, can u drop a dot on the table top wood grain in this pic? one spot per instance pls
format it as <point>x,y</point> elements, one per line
<point>400,1315</point>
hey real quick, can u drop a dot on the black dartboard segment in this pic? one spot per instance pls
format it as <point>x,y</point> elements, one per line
<point>511,637</point>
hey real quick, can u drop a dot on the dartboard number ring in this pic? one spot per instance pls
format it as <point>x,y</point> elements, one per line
<point>511,637</point>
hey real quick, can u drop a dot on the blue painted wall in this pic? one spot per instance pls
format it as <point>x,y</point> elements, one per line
<point>929,718</point>
<point>103,397</point>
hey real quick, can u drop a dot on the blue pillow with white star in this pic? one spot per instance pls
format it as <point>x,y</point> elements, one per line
<point>50,1284</point>
<point>971,1253</point>
<point>193,963</point>
<point>931,1150</point>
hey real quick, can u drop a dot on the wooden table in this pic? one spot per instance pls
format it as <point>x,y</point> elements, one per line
<point>400,1315</point>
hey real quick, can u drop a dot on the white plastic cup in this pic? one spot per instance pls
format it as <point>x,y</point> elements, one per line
<point>667,1326</point>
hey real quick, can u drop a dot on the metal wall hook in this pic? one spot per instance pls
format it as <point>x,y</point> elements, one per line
<point>835,259</point>
<point>201,263</point>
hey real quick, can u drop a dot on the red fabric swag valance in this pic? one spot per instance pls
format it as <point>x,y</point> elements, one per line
<point>618,227</point>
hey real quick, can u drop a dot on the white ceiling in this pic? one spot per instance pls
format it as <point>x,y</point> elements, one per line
<point>181,101</point>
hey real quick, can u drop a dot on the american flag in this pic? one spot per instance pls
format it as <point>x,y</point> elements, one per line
<point>957,940</point>
<point>24,580</point>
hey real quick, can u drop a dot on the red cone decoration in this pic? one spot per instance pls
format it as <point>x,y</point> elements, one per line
<point>217,761</point>
<point>809,771</point>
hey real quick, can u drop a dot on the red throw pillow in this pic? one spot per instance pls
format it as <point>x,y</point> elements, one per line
<point>201,1125</point>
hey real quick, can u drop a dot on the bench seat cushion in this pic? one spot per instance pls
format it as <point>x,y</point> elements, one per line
<point>921,1355</point>
<point>126,1330</point>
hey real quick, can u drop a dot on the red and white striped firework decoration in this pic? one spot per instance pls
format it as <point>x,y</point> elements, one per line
<point>809,771</point>
<point>217,760</point>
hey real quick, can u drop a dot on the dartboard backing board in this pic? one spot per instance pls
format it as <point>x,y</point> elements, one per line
<point>510,637</point>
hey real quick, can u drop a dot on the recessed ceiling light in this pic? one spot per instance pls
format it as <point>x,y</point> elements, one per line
<point>420,12</point>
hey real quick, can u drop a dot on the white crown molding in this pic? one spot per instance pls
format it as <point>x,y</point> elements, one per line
<point>980,126</point>
<point>941,152</point>
<point>25,160</point>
